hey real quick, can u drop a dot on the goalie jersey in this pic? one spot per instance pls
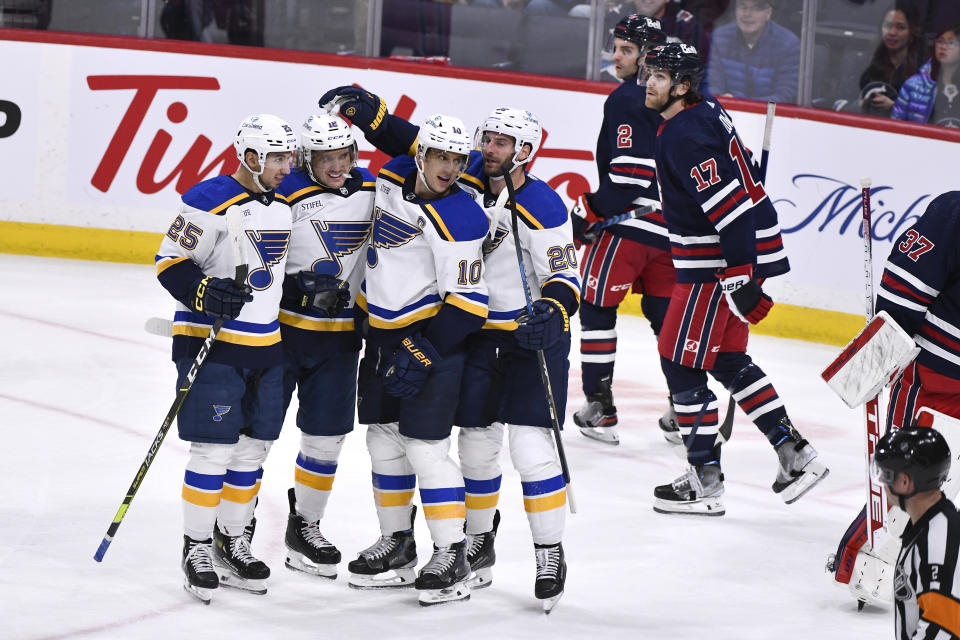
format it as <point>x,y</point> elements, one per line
<point>197,245</point>
<point>424,263</point>
<point>329,236</point>
<point>715,206</point>
<point>920,287</point>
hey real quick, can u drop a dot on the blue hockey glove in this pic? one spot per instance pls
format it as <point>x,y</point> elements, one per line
<point>405,372</point>
<point>318,292</point>
<point>547,324</point>
<point>219,297</point>
<point>358,106</point>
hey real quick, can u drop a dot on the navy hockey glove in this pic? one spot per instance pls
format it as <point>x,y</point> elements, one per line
<point>744,296</point>
<point>405,372</point>
<point>547,324</point>
<point>583,218</point>
<point>358,106</point>
<point>318,292</point>
<point>219,297</point>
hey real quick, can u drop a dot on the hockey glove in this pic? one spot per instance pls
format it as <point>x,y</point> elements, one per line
<point>547,324</point>
<point>358,106</point>
<point>583,218</point>
<point>318,292</point>
<point>219,297</point>
<point>405,372</point>
<point>744,296</point>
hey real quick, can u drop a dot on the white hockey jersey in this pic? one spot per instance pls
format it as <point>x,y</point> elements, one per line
<point>196,244</point>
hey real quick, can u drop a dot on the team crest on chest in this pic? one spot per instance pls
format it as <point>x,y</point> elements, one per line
<point>339,238</point>
<point>271,247</point>
<point>388,231</point>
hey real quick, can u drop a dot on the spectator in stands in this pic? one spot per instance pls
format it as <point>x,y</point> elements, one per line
<point>931,94</point>
<point>938,15</point>
<point>555,7</point>
<point>755,57</point>
<point>898,56</point>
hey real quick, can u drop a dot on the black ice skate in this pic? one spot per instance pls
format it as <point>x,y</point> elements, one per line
<point>551,574</point>
<point>597,418</point>
<point>387,563</point>
<point>307,550</point>
<point>235,563</point>
<point>481,555</point>
<point>199,578</point>
<point>444,578</point>
<point>670,427</point>
<point>799,469</point>
<point>697,492</point>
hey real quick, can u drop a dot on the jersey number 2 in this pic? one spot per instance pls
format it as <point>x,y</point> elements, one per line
<point>624,136</point>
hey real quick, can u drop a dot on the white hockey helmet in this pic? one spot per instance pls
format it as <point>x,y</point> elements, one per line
<point>325,132</point>
<point>263,133</point>
<point>519,124</point>
<point>445,133</point>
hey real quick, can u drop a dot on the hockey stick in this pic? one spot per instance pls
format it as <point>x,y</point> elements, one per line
<point>159,327</point>
<point>235,231</point>
<point>875,509</point>
<point>544,372</point>
<point>639,212</point>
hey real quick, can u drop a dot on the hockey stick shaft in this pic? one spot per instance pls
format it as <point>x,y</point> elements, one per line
<point>622,217</point>
<point>234,225</point>
<point>765,148</point>
<point>541,358</point>
<point>875,508</point>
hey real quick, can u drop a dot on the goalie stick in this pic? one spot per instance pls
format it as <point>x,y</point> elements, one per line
<point>234,219</point>
<point>544,372</point>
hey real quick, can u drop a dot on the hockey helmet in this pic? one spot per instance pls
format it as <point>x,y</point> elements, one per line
<point>920,452</point>
<point>641,30</point>
<point>445,133</point>
<point>519,124</point>
<point>325,132</point>
<point>263,133</point>
<point>681,60</point>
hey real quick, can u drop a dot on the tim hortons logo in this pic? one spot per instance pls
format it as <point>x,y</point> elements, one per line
<point>196,165</point>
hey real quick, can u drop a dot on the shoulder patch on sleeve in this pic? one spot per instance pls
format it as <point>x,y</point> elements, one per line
<point>457,218</point>
<point>540,207</point>
<point>215,195</point>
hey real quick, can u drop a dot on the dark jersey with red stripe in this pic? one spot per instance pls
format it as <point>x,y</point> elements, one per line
<point>626,167</point>
<point>920,288</point>
<point>715,206</point>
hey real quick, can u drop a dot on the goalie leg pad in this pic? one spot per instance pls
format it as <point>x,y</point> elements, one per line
<point>315,470</point>
<point>441,488</point>
<point>544,490</point>
<point>202,485</point>
<point>480,463</point>
<point>393,478</point>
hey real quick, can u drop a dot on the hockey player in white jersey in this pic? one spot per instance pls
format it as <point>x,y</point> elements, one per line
<point>332,203</point>
<point>501,381</point>
<point>423,294</point>
<point>234,410</point>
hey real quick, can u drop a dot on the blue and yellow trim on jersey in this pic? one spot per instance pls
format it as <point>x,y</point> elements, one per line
<point>443,503</point>
<point>216,195</point>
<point>393,491</point>
<point>502,320</point>
<point>312,321</point>
<point>390,176</point>
<point>383,318</point>
<point>457,217</point>
<point>573,283</point>
<point>544,495</point>
<point>539,206</point>
<point>246,334</point>
<point>470,301</point>
<point>165,262</point>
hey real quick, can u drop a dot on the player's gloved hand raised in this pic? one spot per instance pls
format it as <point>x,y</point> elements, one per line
<point>583,218</point>
<point>318,292</point>
<point>219,297</point>
<point>547,324</point>
<point>744,296</point>
<point>358,106</point>
<point>405,372</point>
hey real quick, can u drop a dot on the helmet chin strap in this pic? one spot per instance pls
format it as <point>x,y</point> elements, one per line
<point>256,177</point>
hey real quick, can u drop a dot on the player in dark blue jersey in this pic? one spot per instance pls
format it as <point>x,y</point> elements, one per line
<point>631,255</point>
<point>725,240</point>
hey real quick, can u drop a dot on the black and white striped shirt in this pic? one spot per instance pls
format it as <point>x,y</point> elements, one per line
<point>926,584</point>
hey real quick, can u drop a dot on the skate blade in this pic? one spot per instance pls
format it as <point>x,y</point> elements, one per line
<point>480,579</point>
<point>296,562</point>
<point>813,473</point>
<point>201,594</point>
<point>702,507</point>
<point>673,437</point>
<point>458,591</point>
<point>393,579</point>
<point>256,587</point>
<point>607,435</point>
<point>549,603</point>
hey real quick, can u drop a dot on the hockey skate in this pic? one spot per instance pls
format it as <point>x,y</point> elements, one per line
<point>551,574</point>
<point>235,564</point>
<point>444,578</point>
<point>481,555</point>
<point>799,469</point>
<point>199,578</point>
<point>669,426</point>
<point>697,492</point>
<point>388,563</point>
<point>307,550</point>
<point>597,418</point>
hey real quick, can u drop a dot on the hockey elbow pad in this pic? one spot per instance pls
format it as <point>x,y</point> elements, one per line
<point>219,297</point>
<point>541,330</point>
<point>406,371</point>
<point>744,296</point>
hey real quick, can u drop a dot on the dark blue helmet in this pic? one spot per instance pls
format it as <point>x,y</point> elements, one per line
<point>641,30</point>
<point>680,59</point>
<point>921,453</point>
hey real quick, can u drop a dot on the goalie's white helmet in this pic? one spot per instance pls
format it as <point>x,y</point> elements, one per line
<point>519,124</point>
<point>263,134</point>
<point>445,133</point>
<point>325,132</point>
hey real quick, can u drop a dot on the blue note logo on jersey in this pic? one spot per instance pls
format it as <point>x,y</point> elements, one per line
<point>220,410</point>
<point>271,247</point>
<point>338,239</point>
<point>388,231</point>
